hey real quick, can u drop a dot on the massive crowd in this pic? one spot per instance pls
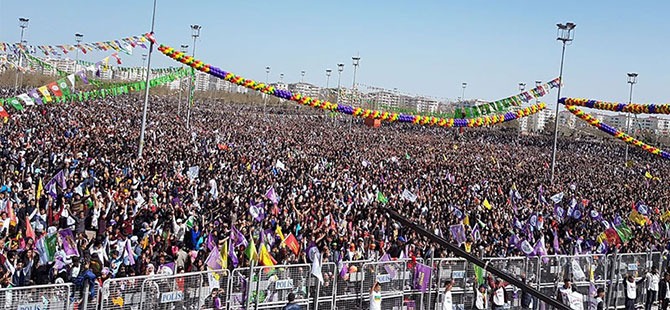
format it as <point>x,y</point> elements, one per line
<point>131,216</point>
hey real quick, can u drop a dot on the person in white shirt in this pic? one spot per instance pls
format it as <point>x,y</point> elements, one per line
<point>481,301</point>
<point>565,291</point>
<point>447,298</point>
<point>652,287</point>
<point>376,296</point>
<point>630,291</point>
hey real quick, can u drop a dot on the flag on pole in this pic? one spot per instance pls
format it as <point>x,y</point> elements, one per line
<point>224,255</point>
<point>381,198</point>
<point>250,251</point>
<point>55,89</point>
<point>129,253</point>
<point>65,90</point>
<point>272,195</point>
<point>213,260</point>
<point>29,230</point>
<point>292,243</point>
<point>15,103</point>
<point>486,204</point>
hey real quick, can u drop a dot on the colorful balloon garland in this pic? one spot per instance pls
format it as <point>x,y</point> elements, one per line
<point>618,107</point>
<point>355,111</point>
<point>615,132</point>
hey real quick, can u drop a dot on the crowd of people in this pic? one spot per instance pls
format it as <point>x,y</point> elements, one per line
<point>242,175</point>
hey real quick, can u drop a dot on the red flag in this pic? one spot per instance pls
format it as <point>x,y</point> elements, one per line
<point>82,49</point>
<point>150,36</point>
<point>3,112</point>
<point>118,60</point>
<point>292,244</point>
<point>29,230</point>
<point>55,89</point>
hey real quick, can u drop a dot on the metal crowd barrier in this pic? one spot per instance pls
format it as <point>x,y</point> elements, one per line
<point>346,286</point>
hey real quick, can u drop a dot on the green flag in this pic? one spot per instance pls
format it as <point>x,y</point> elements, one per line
<point>468,113</point>
<point>381,198</point>
<point>63,87</point>
<point>250,251</point>
<point>14,102</point>
<point>479,274</point>
<point>624,232</point>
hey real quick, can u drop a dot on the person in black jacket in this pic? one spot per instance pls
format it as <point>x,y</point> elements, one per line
<point>664,291</point>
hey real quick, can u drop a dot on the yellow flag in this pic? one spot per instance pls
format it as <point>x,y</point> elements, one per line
<point>280,233</point>
<point>493,159</point>
<point>487,204</point>
<point>248,166</point>
<point>666,216</point>
<point>637,218</point>
<point>224,255</point>
<point>466,220</point>
<point>648,175</point>
<point>39,191</point>
<point>118,301</point>
<point>468,247</point>
<point>264,257</point>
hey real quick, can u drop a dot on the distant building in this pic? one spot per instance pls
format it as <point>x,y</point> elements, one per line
<point>305,89</point>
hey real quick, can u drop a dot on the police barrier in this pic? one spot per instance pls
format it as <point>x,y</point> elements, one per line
<point>41,297</point>
<point>345,286</point>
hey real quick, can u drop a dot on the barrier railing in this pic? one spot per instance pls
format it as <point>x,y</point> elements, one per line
<point>346,286</point>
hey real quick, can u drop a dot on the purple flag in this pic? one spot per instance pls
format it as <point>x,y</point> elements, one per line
<point>602,247</point>
<point>257,211</point>
<point>166,266</point>
<point>541,250</point>
<point>58,179</point>
<point>237,238</point>
<point>476,235</point>
<point>82,76</point>
<point>390,269</point>
<point>214,259</point>
<point>269,237</point>
<point>233,257</point>
<point>559,212</point>
<point>69,246</point>
<point>97,68</point>
<point>525,247</point>
<point>458,213</point>
<point>129,253</point>
<point>272,195</point>
<point>556,246</point>
<point>421,277</point>
<point>458,232</point>
<point>211,243</point>
<point>35,95</point>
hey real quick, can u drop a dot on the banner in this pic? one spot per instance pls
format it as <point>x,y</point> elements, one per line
<point>120,45</point>
<point>634,108</point>
<point>615,132</point>
<point>57,90</point>
<point>421,277</point>
<point>350,110</point>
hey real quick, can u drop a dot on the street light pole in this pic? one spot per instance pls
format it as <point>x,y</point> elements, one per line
<point>537,84</point>
<point>632,80</point>
<point>77,37</point>
<point>195,33</point>
<point>146,89</point>
<point>23,24</point>
<point>355,60</point>
<point>184,49</point>
<point>302,76</point>
<point>565,34</point>
<point>463,85</point>
<point>144,59</point>
<point>340,68</point>
<point>265,96</point>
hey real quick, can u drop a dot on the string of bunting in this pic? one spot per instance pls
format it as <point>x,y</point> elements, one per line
<point>355,111</point>
<point>61,91</point>
<point>615,132</point>
<point>120,45</point>
<point>133,69</point>
<point>618,107</point>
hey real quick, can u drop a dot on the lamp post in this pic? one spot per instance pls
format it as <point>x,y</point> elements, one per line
<point>195,33</point>
<point>302,76</point>
<point>146,89</point>
<point>328,72</point>
<point>537,84</point>
<point>565,34</point>
<point>142,77</point>
<point>78,37</point>
<point>355,61</point>
<point>632,80</point>
<point>522,86</point>
<point>184,49</point>
<point>265,96</point>
<point>463,85</point>
<point>281,77</point>
<point>23,24</point>
<point>340,68</point>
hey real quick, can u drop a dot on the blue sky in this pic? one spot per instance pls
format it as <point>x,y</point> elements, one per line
<point>422,47</point>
